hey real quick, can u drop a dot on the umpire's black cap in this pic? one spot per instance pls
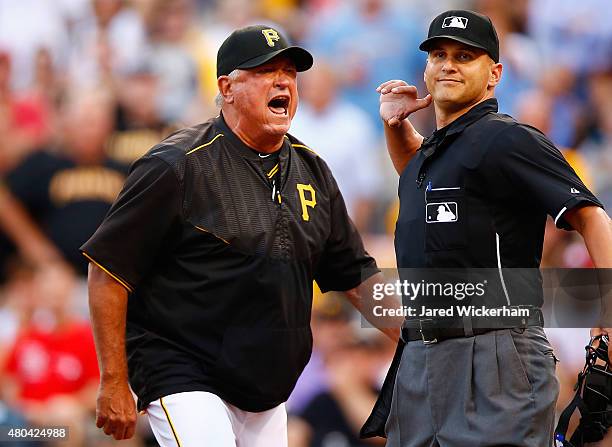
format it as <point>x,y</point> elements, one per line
<point>468,27</point>
<point>255,45</point>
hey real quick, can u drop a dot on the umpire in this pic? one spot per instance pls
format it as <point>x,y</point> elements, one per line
<point>209,253</point>
<point>475,194</point>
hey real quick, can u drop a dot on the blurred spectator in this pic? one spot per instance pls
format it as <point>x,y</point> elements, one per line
<point>182,60</point>
<point>344,136</point>
<point>25,27</point>
<point>49,83</point>
<point>16,298</point>
<point>17,230</point>
<point>73,189</point>
<point>518,52</point>
<point>230,15</point>
<point>51,372</point>
<point>369,43</point>
<point>24,119</point>
<point>575,42</point>
<point>334,417</point>
<point>138,125</point>
<point>108,42</point>
<point>330,328</point>
<point>573,35</point>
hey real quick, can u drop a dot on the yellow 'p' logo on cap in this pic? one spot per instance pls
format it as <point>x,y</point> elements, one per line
<point>270,35</point>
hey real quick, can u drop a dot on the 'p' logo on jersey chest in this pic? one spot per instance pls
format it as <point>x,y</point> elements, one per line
<point>308,198</point>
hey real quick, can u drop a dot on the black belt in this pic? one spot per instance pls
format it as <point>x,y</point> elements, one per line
<point>436,330</point>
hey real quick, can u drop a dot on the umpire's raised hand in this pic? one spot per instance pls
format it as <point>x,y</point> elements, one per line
<point>398,100</point>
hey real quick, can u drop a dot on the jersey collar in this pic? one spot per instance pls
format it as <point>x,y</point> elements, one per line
<point>457,126</point>
<point>472,115</point>
<point>244,150</point>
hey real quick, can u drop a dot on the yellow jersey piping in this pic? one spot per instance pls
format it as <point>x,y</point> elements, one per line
<point>210,232</point>
<point>161,401</point>
<point>305,147</point>
<point>205,144</point>
<point>112,275</point>
<point>273,171</point>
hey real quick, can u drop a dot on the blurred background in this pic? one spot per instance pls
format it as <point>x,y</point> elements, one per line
<point>88,86</point>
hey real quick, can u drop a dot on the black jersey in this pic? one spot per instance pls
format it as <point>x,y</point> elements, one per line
<point>476,196</point>
<point>68,200</point>
<point>478,191</point>
<point>219,262</point>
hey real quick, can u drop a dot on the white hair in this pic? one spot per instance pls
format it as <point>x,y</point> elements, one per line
<point>219,100</point>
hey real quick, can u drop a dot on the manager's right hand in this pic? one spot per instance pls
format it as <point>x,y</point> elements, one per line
<point>116,409</point>
<point>398,100</point>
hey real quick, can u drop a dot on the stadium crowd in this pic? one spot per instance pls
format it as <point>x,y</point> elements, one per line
<point>88,86</point>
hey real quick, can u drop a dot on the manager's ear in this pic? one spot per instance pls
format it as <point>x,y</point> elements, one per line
<point>495,75</point>
<point>224,83</point>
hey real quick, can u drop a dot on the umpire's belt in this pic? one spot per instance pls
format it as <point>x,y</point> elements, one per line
<point>431,330</point>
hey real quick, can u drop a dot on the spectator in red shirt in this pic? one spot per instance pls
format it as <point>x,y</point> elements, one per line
<point>51,372</point>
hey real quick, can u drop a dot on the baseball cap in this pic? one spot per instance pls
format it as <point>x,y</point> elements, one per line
<point>468,27</point>
<point>255,45</point>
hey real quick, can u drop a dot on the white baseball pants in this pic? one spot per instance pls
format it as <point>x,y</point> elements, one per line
<point>201,419</point>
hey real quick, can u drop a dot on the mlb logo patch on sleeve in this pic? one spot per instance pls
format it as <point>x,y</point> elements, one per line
<point>441,212</point>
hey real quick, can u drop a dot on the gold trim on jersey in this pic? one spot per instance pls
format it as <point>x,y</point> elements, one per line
<point>161,401</point>
<point>205,144</point>
<point>305,147</point>
<point>112,275</point>
<point>273,171</point>
<point>211,233</point>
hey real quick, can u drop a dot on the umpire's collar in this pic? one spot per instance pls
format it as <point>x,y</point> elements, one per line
<point>244,150</point>
<point>471,116</point>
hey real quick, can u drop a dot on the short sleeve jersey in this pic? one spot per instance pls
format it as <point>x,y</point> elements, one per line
<point>477,194</point>
<point>219,263</point>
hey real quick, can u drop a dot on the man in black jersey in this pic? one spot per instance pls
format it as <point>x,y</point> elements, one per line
<point>206,262</point>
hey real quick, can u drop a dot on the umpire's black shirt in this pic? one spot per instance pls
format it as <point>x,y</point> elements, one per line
<point>477,193</point>
<point>219,264</point>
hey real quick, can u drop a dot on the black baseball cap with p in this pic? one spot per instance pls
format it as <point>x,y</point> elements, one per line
<point>468,27</point>
<point>255,45</point>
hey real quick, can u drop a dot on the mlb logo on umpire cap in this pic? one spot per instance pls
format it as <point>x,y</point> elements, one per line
<point>455,22</point>
<point>453,25</point>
